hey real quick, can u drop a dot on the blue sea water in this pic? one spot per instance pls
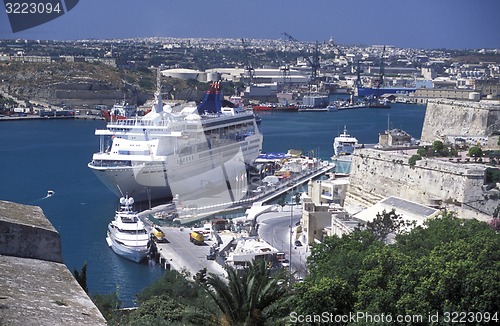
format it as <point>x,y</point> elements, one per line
<point>39,155</point>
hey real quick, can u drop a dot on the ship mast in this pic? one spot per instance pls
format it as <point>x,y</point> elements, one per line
<point>158,107</point>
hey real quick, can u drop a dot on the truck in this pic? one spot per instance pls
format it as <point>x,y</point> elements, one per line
<point>158,234</point>
<point>197,237</point>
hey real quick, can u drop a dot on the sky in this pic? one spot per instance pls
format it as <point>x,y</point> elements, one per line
<point>429,24</point>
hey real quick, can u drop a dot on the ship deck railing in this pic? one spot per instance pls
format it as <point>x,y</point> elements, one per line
<point>169,122</point>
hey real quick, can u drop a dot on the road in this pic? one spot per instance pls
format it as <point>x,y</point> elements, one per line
<point>184,255</point>
<point>274,228</point>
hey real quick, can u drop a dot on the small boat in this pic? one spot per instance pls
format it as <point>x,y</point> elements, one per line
<point>312,109</point>
<point>344,144</point>
<point>264,107</point>
<point>120,111</point>
<point>332,107</point>
<point>127,235</point>
<point>50,193</point>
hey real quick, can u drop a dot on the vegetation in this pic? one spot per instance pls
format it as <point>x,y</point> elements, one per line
<point>475,151</point>
<point>438,149</point>
<point>437,146</point>
<point>81,277</point>
<point>492,175</point>
<point>413,159</point>
<point>447,264</point>
<point>251,298</point>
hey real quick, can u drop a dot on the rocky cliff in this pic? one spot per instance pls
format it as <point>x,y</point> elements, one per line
<point>73,83</point>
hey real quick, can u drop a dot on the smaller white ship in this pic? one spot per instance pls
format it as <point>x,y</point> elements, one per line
<point>344,144</point>
<point>127,235</point>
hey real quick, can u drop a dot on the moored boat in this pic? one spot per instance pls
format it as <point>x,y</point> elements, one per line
<point>263,107</point>
<point>127,234</point>
<point>120,111</point>
<point>344,144</point>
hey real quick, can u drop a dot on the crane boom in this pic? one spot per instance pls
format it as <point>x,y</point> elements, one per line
<point>314,62</point>
<point>249,68</point>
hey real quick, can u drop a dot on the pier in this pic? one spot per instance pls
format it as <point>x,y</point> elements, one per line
<point>191,215</point>
<point>179,253</point>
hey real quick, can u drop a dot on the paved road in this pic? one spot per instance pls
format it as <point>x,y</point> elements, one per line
<point>274,227</point>
<point>184,255</point>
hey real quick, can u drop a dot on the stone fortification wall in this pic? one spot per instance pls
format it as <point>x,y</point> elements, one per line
<point>26,232</point>
<point>459,118</point>
<point>376,174</point>
<point>35,287</point>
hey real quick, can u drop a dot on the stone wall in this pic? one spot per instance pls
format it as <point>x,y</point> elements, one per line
<point>36,287</point>
<point>459,118</point>
<point>376,174</point>
<point>26,232</point>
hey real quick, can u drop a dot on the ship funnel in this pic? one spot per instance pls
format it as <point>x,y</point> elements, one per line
<point>212,102</point>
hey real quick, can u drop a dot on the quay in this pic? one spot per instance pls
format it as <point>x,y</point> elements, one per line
<point>37,117</point>
<point>178,253</point>
<point>191,215</point>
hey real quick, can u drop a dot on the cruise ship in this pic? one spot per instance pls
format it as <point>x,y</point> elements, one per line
<point>198,151</point>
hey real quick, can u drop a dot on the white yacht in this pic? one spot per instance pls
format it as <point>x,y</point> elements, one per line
<point>344,144</point>
<point>127,235</point>
<point>204,149</point>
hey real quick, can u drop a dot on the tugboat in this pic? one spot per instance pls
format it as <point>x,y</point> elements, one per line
<point>127,235</point>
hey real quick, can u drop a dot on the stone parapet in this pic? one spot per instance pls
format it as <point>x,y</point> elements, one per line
<point>26,232</point>
<point>459,118</point>
<point>35,287</point>
<point>376,174</point>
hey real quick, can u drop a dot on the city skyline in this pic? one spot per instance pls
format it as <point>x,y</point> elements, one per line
<point>452,24</point>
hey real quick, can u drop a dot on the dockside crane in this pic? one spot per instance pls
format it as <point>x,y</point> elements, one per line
<point>314,62</point>
<point>248,63</point>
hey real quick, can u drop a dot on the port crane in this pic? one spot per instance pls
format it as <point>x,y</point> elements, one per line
<point>314,62</point>
<point>249,68</point>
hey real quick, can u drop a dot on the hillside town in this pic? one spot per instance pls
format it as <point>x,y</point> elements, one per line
<point>260,71</point>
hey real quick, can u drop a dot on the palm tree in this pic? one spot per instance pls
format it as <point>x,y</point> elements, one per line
<point>248,298</point>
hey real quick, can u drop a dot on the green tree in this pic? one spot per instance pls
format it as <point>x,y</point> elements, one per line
<point>166,310</point>
<point>248,299</point>
<point>81,277</point>
<point>413,159</point>
<point>387,223</point>
<point>437,146</point>
<point>108,305</point>
<point>281,202</point>
<point>447,264</point>
<point>341,257</point>
<point>422,151</point>
<point>475,151</point>
<point>324,294</point>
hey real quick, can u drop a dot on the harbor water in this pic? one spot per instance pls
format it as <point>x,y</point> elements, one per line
<point>41,155</point>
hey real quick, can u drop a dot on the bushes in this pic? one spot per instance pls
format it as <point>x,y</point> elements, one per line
<point>413,159</point>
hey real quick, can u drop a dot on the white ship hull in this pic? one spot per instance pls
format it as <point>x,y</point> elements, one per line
<point>164,154</point>
<point>156,180</point>
<point>135,253</point>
